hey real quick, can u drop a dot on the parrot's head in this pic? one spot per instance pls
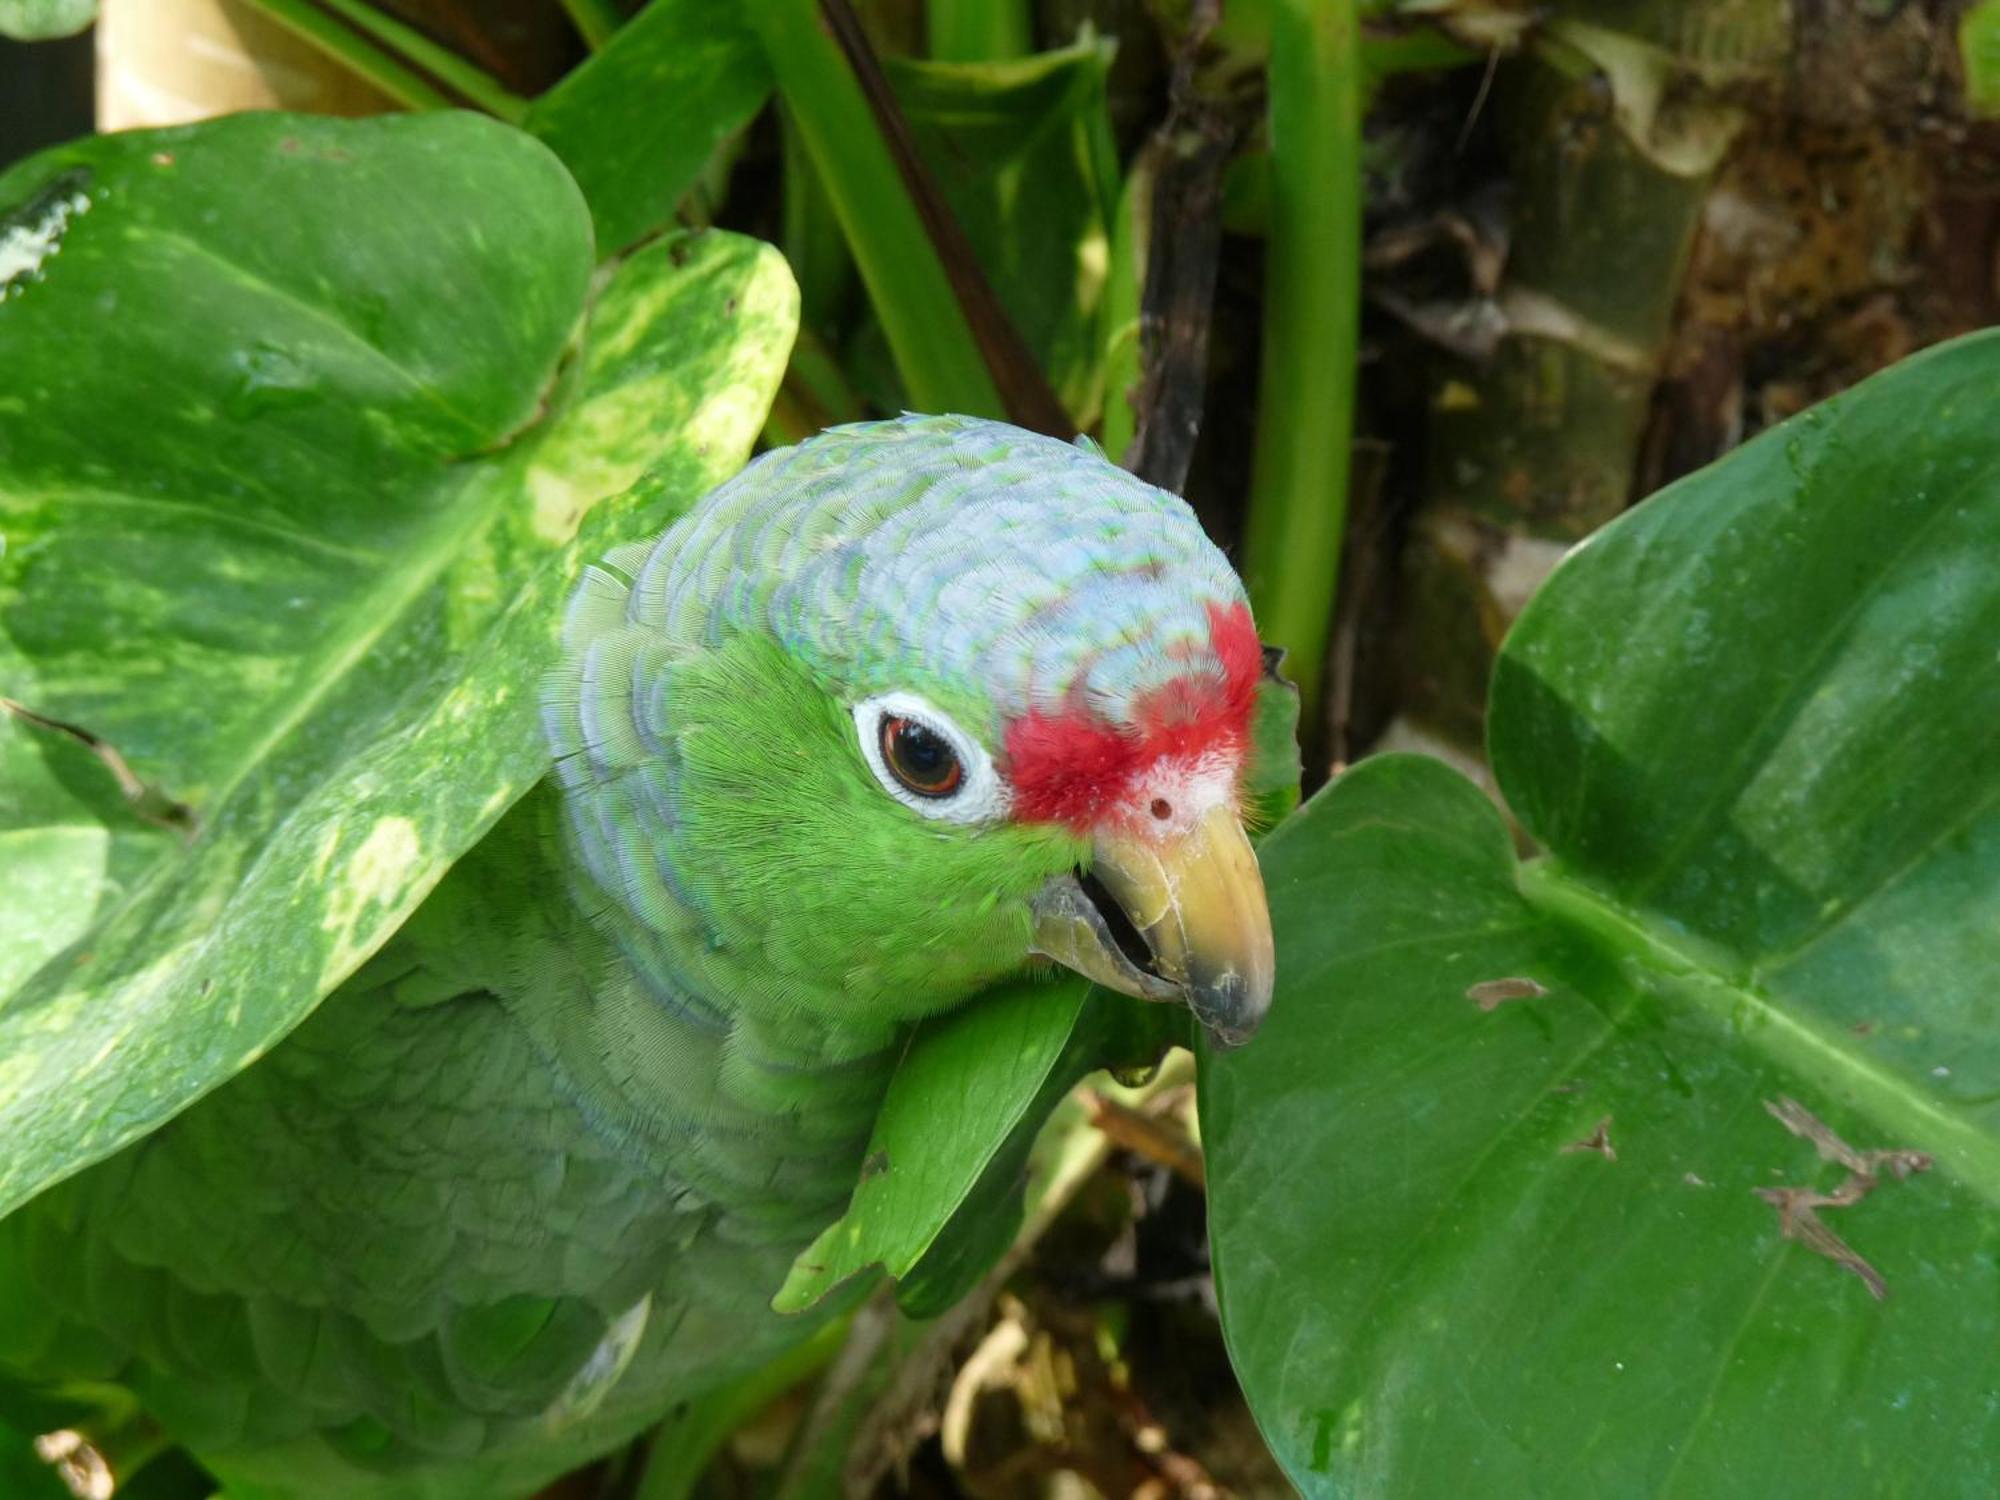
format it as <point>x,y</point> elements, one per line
<point>910,706</point>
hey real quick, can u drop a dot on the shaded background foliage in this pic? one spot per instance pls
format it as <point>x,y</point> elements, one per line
<point>1590,248</point>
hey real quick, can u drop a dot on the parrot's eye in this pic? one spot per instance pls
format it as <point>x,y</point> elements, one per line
<point>926,762</point>
<point>921,758</point>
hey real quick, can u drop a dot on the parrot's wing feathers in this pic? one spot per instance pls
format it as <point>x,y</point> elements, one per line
<point>376,1230</point>
<point>404,1230</point>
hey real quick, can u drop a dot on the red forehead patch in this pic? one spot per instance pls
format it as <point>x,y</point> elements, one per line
<point>1070,767</point>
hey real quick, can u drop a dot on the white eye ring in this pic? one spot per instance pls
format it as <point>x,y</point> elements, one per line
<point>980,797</point>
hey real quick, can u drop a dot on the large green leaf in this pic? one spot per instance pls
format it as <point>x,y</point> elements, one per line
<point>947,1173</point>
<point>297,431</point>
<point>635,123</point>
<point>44,20</point>
<point>1569,1178</point>
<point>991,1062</point>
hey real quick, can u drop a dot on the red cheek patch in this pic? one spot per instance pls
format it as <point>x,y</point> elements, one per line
<point>1071,767</point>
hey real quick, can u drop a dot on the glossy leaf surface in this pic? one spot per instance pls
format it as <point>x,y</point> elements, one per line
<point>1568,1179</point>
<point>307,595</point>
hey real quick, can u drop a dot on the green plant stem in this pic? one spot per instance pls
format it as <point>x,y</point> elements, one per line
<point>978,30</point>
<point>355,53</point>
<point>594,20</point>
<point>1017,375</point>
<point>1312,296</point>
<point>815,246</point>
<point>933,346</point>
<point>453,71</point>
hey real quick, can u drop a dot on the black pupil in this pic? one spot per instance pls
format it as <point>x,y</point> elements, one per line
<point>922,759</point>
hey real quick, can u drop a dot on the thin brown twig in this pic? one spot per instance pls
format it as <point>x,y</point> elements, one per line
<point>1148,1135</point>
<point>1188,151</point>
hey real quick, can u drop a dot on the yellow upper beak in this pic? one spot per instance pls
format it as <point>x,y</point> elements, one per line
<point>1178,915</point>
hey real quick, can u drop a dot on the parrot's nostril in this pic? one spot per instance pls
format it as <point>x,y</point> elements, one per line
<point>1162,809</point>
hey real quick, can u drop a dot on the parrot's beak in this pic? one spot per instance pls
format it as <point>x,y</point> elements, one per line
<point>1178,915</point>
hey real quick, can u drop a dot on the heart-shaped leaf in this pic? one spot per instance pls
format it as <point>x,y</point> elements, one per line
<point>299,421</point>
<point>1668,1163</point>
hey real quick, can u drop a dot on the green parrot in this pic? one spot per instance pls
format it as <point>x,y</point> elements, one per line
<point>891,716</point>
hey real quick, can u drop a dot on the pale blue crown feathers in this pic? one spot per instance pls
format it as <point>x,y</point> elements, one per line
<point>851,551</point>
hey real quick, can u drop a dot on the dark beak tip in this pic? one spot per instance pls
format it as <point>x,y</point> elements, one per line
<point>1228,1011</point>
